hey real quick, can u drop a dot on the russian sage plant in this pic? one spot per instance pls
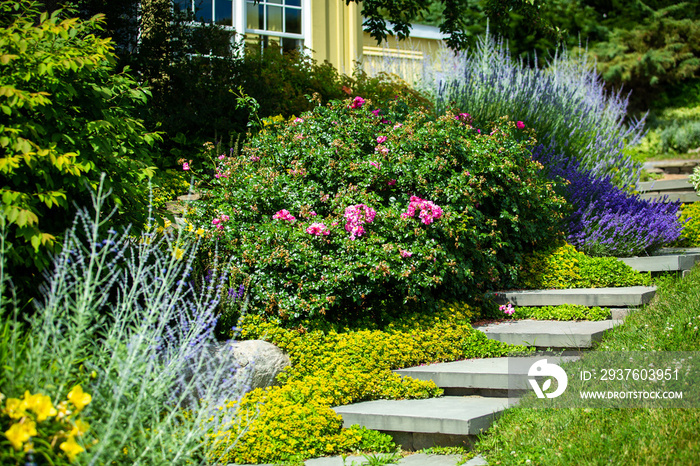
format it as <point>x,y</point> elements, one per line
<point>120,318</point>
<point>605,220</point>
<point>565,103</point>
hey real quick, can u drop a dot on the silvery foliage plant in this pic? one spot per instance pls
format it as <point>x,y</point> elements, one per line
<point>694,178</point>
<point>565,102</point>
<point>120,315</point>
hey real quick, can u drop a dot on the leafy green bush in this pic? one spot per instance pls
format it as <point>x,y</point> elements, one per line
<point>681,137</point>
<point>562,312</point>
<point>694,178</point>
<point>294,421</point>
<point>350,211</point>
<point>67,116</point>
<point>565,267</point>
<point>690,215</point>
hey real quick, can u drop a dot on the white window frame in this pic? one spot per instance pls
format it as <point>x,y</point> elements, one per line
<point>239,13</point>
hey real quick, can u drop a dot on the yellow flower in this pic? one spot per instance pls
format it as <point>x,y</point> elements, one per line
<point>40,404</point>
<point>178,253</point>
<point>71,448</point>
<point>190,227</point>
<point>79,428</point>
<point>200,231</point>
<point>20,432</point>
<point>14,408</point>
<point>79,398</point>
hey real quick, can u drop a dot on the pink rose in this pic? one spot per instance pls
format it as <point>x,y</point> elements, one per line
<point>186,166</point>
<point>381,139</point>
<point>520,125</point>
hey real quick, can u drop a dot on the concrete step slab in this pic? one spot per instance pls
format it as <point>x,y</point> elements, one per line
<point>662,263</point>
<point>486,373</point>
<point>665,185</point>
<point>686,197</point>
<point>549,333</point>
<point>603,297</point>
<point>459,416</point>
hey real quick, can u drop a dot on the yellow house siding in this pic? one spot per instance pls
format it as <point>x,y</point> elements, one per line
<point>336,33</point>
<point>406,58</point>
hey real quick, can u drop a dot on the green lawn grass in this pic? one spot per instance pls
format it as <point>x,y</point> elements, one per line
<point>613,436</point>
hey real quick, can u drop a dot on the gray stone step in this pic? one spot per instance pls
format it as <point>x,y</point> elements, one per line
<point>665,185</point>
<point>686,197</point>
<point>417,424</point>
<point>475,374</point>
<point>662,263</point>
<point>548,333</point>
<point>603,297</point>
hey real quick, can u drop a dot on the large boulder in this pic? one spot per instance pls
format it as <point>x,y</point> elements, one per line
<point>227,370</point>
<point>258,362</point>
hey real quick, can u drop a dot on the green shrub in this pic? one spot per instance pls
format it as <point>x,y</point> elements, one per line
<point>480,212</point>
<point>562,312</point>
<point>294,421</point>
<point>681,137</point>
<point>67,117</point>
<point>565,267</point>
<point>690,214</point>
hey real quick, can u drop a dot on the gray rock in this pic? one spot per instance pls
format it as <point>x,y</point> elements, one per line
<point>259,360</point>
<point>227,370</point>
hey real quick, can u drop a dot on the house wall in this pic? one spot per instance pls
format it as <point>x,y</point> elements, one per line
<point>336,33</point>
<point>409,59</point>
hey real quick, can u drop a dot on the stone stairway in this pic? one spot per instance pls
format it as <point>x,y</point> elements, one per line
<point>668,190</point>
<point>477,391</point>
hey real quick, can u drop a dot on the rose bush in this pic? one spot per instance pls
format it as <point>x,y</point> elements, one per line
<point>352,210</point>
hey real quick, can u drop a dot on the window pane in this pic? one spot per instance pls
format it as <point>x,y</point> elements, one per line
<point>278,2</point>
<point>203,10</point>
<point>255,16</point>
<point>291,44</point>
<point>292,21</point>
<point>274,18</point>
<point>224,12</point>
<point>293,2</point>
<point>183,5</point>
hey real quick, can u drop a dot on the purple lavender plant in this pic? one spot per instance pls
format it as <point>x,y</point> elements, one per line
<point>605,220</point>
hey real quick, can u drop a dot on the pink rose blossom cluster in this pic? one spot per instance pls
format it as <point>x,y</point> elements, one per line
<point>381,139</point>
<point>356,216</point>
<point>520,125</point>
<point>358,102</point>
<point>428,210</point>
<point>381,149</point>
<point>318,229</point>
<point>507,309</point>
<point>465,117</point>
<point>405,254</point>
<point>186,166</point>
<point>254,158</point>
<point>284,215</point>
<point>218,222</point>
<point>375,164</point>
